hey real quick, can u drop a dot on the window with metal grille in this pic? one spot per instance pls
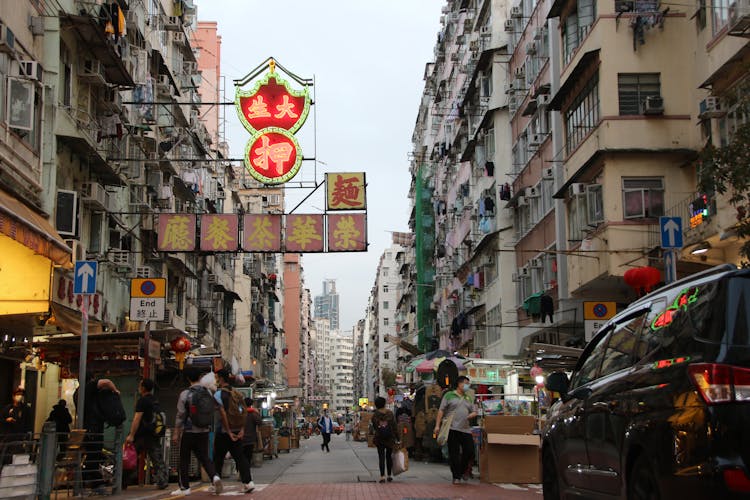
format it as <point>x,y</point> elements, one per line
<point>634,88</point>
<point>583,115</point>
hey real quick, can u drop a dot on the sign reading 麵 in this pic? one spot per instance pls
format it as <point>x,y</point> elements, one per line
<point>345,191</point>
<point>272,112</point>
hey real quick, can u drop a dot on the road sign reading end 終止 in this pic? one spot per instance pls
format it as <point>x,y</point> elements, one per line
<point>148,299</point>
<point>671,232</point>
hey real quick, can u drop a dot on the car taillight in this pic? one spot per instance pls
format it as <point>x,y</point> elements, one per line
<point>737,480</point>
<point>720,383</point>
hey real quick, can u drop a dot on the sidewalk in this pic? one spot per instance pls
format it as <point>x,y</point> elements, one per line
<point>349,472</point>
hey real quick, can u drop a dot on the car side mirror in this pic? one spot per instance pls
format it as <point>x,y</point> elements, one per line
<point>557,382</point>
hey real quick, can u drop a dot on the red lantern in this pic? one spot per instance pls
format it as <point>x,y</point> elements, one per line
<point>180,346</point>
<point>633,278</point>
<point>651,277</point>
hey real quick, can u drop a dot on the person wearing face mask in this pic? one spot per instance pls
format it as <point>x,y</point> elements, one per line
<point>16,422</point>
<point>460,440</point>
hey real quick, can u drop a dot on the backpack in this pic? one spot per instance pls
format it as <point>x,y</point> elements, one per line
<point>200,406</point>
<point>159,421</point>
<point>236,411</point>
<point>383,429</point>
<point>110,407</point>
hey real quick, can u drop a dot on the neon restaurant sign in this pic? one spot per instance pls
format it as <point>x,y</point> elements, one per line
<point>272,112</point>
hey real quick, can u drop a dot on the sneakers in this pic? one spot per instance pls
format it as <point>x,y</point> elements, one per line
<point>249,487</point>
<point>390,479</point>
<point>179,492</point>
<point>218,487</point>
<point>456,481</point>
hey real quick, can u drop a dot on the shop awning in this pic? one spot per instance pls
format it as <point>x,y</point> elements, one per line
<point>19,222</point>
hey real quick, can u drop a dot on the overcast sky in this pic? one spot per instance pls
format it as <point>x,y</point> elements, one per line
<point>368,59</point>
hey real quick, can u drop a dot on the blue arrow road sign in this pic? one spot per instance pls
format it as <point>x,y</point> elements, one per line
<point>671,232</point>
<point>85,277</point>
<point>670,266</point>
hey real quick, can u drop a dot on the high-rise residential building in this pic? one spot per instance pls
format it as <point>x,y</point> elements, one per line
<point>341,367</point>
<point>327,304</point>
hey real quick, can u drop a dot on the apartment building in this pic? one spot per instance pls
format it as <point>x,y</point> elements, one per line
<point>341,366</point>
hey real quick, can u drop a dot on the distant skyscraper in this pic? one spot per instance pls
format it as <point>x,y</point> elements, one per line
<point>327,305</point>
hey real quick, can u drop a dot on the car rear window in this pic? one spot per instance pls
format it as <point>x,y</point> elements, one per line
<point>738,311</point>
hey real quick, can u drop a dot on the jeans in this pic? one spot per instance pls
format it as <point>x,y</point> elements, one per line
<point>460,451</point>
<point>153,448</point>
<point>247,450</point>
<point>385,460</point>
<point>222,444</point>
<point>326,440</point>
<point>197,443</point>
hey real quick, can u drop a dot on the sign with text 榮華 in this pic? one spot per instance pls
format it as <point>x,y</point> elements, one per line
<point>272,111</point>
<point>345,191</point>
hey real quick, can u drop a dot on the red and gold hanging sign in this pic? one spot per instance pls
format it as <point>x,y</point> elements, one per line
<point>261,233</point>
<point>219,233</point>
<point>272,112</point>
<point>347,233</point>
<point>304,233</point>
<point>176,233</point>
<point>345,191</point>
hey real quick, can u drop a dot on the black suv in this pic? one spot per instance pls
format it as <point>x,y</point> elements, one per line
<point>658,405</point>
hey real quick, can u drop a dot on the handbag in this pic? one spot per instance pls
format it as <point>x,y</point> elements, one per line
<point>129,457</point>
<point>445,428</point>
<point>399,462</point>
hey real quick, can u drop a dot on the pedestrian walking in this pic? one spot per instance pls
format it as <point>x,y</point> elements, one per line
<point>62,419</point>
<point>195,411</point>
<point>348,429</point>
<point>231,429</point>
<point>325,424</point>
<point>385,437</point>
<point>251,439</point>
<point>146,434</point>
<point>458,405</point>
<point>102,405</point>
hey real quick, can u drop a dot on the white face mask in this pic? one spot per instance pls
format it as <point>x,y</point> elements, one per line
<point>18,399</point>
<point>466,387</point>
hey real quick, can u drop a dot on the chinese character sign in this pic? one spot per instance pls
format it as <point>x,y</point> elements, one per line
<point>219,233</point>
<point>272,112</point>
<point>347,233</point>
<point>304,233</point>
<point>176,233</point>
<point>261,233</point>
<point>345,191</point>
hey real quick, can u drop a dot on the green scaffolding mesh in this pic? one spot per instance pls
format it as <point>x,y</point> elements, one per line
<point>424,230</point>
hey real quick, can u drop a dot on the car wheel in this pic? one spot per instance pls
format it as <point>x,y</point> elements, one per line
<point>642,484</point>
<point>550,482</point>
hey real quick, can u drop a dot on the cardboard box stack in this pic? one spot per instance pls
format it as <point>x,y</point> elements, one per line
<point>510,451</point>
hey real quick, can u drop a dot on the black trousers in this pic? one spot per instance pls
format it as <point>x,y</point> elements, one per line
<point>460,451</point>
<point>247,450</point>
<point>223,444</point>
<point>385,460</point>
<point>197,443</point>
<point>326,440</point>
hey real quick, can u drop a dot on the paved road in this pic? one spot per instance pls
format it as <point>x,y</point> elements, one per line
<point>348,472</point>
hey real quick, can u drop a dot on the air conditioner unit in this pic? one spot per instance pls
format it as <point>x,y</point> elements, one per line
<point>710,107</point>
<point>93,194</point>
<point>171,23</point>
<point>577,189</point>
<point>163,83</point>
<point>190,67</point>
<point>509,25</point>
<point>653,105</point>
<point>31,70</point>
<point>78,250</point>
<point>536,140</point>
<point>510,88</point>
<point>112,98</point>
<point>485,31</point>
<point>520,73</point>
<point>523,271</point>
<point>454,57</point>
<point>220,195</point>
<point>543,100</point>
<point>516,12</point>
<point>7,39</point>
<point>121,259</point>
<point>212,279</point>
<point>178,37</point>
<point>531,192</point>
<point>548,173</point>
<point>143,272</point>
<point>522,201</point>
<point>91,71</point>
<point>539,33</point>
<point>531,48</point>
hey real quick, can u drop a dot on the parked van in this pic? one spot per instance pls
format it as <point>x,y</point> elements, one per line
<point>658,405</point>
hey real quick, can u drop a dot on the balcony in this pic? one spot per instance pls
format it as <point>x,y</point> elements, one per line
<point>91,36</point>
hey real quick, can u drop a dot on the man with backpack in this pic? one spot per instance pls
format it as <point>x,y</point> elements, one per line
<point>231,429</point>
<point>195,414</point>
<point>147,430</point>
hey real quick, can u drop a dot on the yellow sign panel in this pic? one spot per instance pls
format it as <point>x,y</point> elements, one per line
<point>345,191</point>
<point>599,310</point>
<point>148,287</point>
<point>364,401</point>
<point>25,279</point>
